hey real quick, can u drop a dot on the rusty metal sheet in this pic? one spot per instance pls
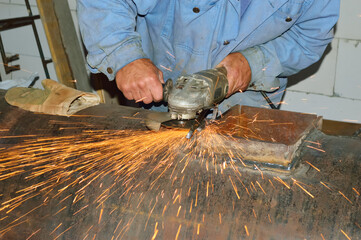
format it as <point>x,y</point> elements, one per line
<point>173,193</point>
<point>264,136</point>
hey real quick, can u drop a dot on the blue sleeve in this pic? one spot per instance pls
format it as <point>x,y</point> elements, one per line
<point>299,47</point>
<point>108,32</point>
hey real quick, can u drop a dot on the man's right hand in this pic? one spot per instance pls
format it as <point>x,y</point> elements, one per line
<point>141,81</point>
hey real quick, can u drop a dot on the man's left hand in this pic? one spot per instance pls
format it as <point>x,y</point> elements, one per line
<point>238,72</point>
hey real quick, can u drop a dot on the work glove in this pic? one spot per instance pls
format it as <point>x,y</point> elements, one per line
<point>55,99</point>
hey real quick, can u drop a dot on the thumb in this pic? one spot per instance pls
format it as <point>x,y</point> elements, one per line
<point>160,76</point>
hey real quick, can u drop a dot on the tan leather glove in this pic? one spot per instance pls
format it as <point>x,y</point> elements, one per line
<point>55,99</point>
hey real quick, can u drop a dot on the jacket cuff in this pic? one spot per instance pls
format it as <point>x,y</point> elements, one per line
<point>119,58</point>
<point>260,80</point>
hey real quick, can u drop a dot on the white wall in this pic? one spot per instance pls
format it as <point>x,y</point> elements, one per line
<point>22,41</point>
<point>330,88</point>
<point>333,89</point>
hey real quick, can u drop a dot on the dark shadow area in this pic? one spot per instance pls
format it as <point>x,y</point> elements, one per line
<point>311,70</point>
<point>308,72</point>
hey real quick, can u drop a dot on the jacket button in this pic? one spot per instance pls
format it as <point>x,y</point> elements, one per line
<point>226,42</point>
<point>196,10</point>
<point>109,70</point>
<point>288,19</point>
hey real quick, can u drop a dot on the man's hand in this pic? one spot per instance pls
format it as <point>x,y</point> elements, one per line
<point>238,72</point>
<point>141,81</point>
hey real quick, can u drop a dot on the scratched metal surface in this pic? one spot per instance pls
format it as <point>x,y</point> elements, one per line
<point>182,199</point>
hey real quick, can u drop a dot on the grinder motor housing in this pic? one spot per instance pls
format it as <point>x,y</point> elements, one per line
<point>195,92</point>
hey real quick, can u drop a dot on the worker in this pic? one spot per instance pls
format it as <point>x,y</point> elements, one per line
<point>141,43</point>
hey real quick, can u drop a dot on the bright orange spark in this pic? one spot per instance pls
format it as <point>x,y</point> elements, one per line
<point>235,188</point>
<point>357,192</point>
<point>56,228</point>
<point>326,186</point>
<point>318,149</point>
<point>281,181</point>
<point>296,182</point>
<point>261,187</point>
<point>155,231</point>
<point>245,227</point>
<point>180,226</point>
<point>345,235</point>
<point>33,234</point>
<point>313,166</point>
<point>254,213</point>
<point>345,197</point>
<point>179,210</point>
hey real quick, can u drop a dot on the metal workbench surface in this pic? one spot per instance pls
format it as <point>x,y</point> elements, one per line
<point>102,175</point>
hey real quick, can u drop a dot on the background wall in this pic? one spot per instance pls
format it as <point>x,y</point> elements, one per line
<point>330,88</point>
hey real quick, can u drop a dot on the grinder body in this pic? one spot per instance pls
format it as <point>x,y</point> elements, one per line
<point>195,92</point>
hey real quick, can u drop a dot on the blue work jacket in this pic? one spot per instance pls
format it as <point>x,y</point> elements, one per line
<point>277,37</point>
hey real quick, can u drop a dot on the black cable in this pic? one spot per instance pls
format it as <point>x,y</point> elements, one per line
<point>268,100</point>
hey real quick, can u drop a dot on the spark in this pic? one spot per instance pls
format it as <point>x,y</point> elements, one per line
<point>33,234</point>
<point>318,149</point>
<point>358,225</point>
<point>94,155</point>
<point>100,215</point>
<point>168,69</point>
<point>254,213</point>
<point>269,218</point>
<point>261,188</point>
<point>60,210</point>
<point>296,182</point>
<point>313,166</point>
<point>245,227</point>
<point>316,143</point>
<point>155,231</point>
<point>345,235</point>
<point>176,199</point>
<point>207,188</point>
<point>281,181</point>
<point>63,232</point>
<point>259,170</point>
<point>326,186</point>
<point>170,54</point>
<point>179,210</point>
<point>357,192</point>
<point>56,228</point>
<point>271,183</point>
<point>139,100</point>
<point>18,136</point>
<point>345,197</point>
<point>179,228</point>
<point>235,188</point>
<point>165,208</point>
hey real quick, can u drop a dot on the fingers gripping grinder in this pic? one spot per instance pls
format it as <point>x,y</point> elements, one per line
<point>194,95</point>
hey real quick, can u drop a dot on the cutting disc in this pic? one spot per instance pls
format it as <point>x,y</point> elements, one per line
<point>156,120</point>
<point>178,124</point>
